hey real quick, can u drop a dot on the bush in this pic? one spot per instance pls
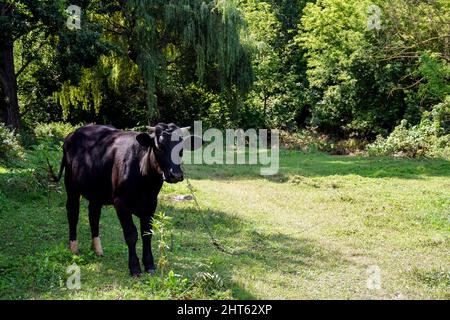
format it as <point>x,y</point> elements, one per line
<point>350,146</point>
<point>431,137</point>
<point>311,141</point>
<point>10,148</point>
<point>305,140</point>
<point>26,137</point>
<point>424,139</point>
<point>440,116</point>
<point>54,132</point>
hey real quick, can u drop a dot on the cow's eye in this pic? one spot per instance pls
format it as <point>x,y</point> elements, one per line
<point>181,153</point>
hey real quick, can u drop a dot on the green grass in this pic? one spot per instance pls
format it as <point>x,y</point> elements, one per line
<point>310,232</point>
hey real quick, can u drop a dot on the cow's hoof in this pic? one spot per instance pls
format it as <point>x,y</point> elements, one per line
<point>73,245</point>
<point>136,274</point>
<point>97,246</point>
<point>151,271</point>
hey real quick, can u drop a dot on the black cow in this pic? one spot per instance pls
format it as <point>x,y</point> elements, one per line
<point>126,169</point>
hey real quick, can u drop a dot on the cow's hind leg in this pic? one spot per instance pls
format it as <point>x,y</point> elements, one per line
<point>95,210</point>
<point>130,235</point>
<point>73,212</point>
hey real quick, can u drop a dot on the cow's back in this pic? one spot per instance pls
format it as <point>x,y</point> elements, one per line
<point>90,154</point>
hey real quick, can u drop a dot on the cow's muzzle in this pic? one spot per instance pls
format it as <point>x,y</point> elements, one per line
<point>174,176</point>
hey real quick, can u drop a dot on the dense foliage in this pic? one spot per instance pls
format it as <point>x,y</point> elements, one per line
<point>363,81</point>
<point>344,69</point>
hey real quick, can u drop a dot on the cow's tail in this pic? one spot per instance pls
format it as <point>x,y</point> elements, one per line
<point>61,169</point>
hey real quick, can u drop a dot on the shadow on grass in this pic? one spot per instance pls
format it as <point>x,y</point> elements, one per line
<point>266,253</point>
<point>323,165</point>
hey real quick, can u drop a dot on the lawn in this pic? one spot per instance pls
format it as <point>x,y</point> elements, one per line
<point>314,231</point>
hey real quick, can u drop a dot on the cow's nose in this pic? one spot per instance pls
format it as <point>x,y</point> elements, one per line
<point>176,176</point>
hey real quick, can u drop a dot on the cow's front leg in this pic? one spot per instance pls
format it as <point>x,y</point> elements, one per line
<point>147,256</point>
<point>131,236</point>
<point>73,212</point>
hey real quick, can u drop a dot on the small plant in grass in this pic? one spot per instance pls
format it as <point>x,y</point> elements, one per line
<point>209,281</point>
<point>161,227</point>
<point>174,284</point>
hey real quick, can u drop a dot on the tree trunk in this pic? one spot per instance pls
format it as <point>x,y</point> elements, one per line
<point>8,81</point>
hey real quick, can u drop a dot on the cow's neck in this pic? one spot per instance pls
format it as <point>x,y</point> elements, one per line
<point>149,166</point>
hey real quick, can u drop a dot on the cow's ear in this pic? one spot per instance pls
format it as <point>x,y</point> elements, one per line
<point>145,140</point>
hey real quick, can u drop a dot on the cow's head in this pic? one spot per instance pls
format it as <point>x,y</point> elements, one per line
<point>165,144</point>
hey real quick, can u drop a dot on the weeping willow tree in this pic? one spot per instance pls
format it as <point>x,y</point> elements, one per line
<point>189,38</point>
<point>113,73</point>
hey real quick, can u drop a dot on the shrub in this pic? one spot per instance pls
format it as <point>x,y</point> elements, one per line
<point>10,148</point>
<point>440,116</point>
<point>420,140</point>
<point>350,146</point>
<point>27,137</point>
<point>54,132</point>
<point>311,141</point>
<point>305,140</point>
<point>431,137</point>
